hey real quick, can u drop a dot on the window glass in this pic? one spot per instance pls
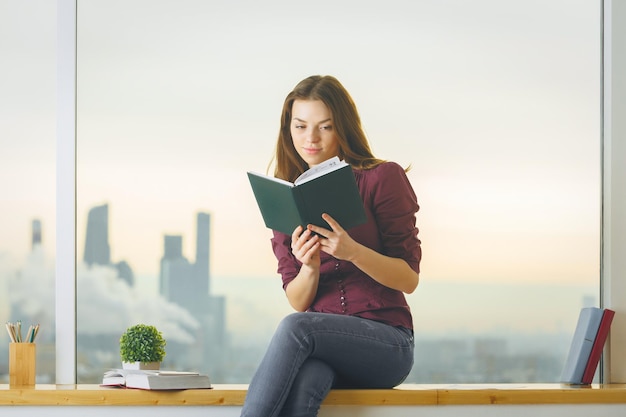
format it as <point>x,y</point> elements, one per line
<point>494,105</point>
<point>27,177</point>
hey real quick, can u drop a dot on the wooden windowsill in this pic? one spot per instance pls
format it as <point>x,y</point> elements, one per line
<point>406,394</point>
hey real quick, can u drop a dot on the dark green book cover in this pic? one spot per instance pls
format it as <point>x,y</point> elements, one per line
<point>284,205</point>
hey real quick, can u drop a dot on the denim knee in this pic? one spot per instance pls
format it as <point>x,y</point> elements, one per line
<point>292,326</point>
<point>312,384</point>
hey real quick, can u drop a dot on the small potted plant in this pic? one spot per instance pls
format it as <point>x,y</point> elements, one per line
<point>142,347</point>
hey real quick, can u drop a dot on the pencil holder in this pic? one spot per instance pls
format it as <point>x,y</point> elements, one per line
<point>22,364</point>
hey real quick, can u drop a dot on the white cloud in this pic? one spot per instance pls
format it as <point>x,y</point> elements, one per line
<point>106,303</point>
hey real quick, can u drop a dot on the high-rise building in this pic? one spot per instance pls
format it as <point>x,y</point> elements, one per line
<point>36,234</point>
<point>201,267</point>
<point>176,272</point>
<point>172,246</point>
<point>97,249</point>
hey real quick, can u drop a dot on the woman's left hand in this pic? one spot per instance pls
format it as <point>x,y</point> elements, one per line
<point>336,242</point>
<point>391,272</point>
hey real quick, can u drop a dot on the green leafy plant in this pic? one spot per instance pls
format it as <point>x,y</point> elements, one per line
<point>142,343</point>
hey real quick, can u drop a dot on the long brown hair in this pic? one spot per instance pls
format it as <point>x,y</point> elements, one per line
<point>354,147</point>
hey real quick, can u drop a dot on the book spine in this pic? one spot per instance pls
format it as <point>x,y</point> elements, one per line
<point>298,198</point>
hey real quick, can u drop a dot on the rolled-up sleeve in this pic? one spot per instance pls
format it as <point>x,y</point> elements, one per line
<point>288,265</point>
<point>395,205</point>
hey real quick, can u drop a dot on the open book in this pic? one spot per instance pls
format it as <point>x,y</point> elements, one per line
<point>329,187</point>
<point>155,380</point>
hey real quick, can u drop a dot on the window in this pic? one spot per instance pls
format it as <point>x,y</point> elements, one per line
<point>27,172</point>
<point>178,99</point>
<point>499,122</point>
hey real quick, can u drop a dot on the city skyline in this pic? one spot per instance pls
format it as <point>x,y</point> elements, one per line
<point>554,304</point>
<point>512,297</point>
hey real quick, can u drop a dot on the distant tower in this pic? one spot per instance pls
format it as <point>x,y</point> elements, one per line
<point>175,271</point>
<point>97,249</point>
<point>36,240</point>
<point>201,267</point>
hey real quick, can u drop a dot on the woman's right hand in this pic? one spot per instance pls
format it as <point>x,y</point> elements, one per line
<point>305,246</point>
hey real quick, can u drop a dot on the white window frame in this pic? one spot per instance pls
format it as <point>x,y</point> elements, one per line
<point>613,231</point>
<point>65,281</point>
<point>613,218</point>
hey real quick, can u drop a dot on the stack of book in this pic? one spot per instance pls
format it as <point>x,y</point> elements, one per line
<point>155,380</point>
<point>587,345</point>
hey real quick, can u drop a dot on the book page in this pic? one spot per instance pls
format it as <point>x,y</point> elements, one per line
<point>176,373</point>
<point>126,372</point>
<point>279,180</point>
<point>317,171</point>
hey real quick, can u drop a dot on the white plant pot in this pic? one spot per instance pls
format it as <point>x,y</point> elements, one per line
<point>148,366</point>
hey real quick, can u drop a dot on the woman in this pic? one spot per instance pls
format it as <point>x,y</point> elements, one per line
<point>353,326</point>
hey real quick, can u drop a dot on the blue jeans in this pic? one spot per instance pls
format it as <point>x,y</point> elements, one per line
<point>311,353</point>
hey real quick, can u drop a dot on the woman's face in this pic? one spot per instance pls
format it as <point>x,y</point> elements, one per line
<point>313,131</point>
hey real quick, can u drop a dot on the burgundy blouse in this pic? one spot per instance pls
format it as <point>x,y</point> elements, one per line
<point>390,204</point>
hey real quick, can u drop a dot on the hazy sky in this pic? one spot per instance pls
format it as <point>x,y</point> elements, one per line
<point>495,104</point>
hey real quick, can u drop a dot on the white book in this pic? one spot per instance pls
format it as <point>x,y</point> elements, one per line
<point>580,350</point>
<point>155,380</point>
